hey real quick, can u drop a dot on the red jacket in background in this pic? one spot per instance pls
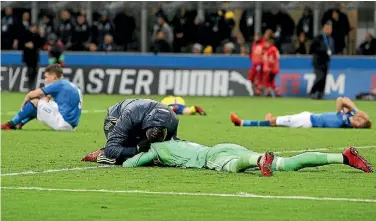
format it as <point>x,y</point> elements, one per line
<point>271,60</point>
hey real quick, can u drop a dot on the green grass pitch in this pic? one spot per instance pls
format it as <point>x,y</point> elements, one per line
<point>37,148</point>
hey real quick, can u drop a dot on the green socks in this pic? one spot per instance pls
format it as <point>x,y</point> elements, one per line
<point>308,159</point>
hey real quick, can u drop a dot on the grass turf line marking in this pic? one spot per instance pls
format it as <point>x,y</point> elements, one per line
<point>82,111</point>
<point>54,170</point>
<point>95,167</point>
<point>238,195</point>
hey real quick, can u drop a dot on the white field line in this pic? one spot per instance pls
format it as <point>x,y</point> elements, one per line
<point>54,170</point>
<point>238,195</point>
<point>82,111</point>
<point>95,167</point>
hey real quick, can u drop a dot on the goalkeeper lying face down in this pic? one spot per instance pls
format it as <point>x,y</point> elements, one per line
<point>235,158</point>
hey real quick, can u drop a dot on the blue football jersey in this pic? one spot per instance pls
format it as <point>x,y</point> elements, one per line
<point>68,98</point>
<point>331,120</point>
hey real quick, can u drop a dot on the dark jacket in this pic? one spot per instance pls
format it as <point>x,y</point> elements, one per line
<point>80,37</point>
<point>341,29</point>
<point>137,115</point>
<point>30,56</point>
<point>305,25</point>
<point>367,47</point>
<point>319,50</point>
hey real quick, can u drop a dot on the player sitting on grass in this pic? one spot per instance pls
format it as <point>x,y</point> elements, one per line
<point>235,158</point>
<point>61,114</point>
<point>177,104</point>
<point>130,126</point>
<point>347,116</point>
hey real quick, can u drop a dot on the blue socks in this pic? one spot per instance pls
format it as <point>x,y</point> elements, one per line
<point>27,113</point>
<point>255,123</point>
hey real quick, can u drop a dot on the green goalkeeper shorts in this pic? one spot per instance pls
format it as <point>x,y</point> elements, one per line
<point>221,154</point>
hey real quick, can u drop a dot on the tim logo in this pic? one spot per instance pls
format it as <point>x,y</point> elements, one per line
<point>373,81</point>
<point>289,83</point>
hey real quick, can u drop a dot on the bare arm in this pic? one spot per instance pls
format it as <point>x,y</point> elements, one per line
<point>345,104</point>
<point>33,94</point>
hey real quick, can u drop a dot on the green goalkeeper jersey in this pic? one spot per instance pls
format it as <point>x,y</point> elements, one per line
<point>172,153</point>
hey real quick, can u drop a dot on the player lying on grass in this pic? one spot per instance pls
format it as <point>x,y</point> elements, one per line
<point>133,124</point>
<point>235,158</point>
<point>61,114</point>
<point>177,104</point>
<point>347,116</point>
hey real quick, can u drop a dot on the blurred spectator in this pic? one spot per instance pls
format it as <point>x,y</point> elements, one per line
<point>368,47</point>
<point>341,28</point>
<point>301,44</point>
<point>197,48</point>
<point>101,28</point>
<point>162,36</point>
<point>305,24</point>
<point>8,30</point>
<point>47,24</point>
<point>23,30</point>
<point>43,36</point>
<point>31,44</point>
<point>55,50</point>
<point>228,48</point>
<point>108,44</point>
<point>244,50</point>
<point>217,27</point>
<point>247,25</point>
<point>208,50</point>
<point>92,47</point>
<point>184,29</point>
<point>81,34</point>
<point>124,26</point>
<point>282,26</point>
<point>65,29</point>
<point>226,23</point>
<point>322,47</point>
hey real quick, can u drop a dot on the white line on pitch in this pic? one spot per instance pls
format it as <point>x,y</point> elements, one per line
<point>54,170</point>
<point>83,111</point>
<point>238,195</point>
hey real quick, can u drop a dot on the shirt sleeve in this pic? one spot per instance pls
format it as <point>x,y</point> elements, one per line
<point>52,88</point>
<point>141,159</point>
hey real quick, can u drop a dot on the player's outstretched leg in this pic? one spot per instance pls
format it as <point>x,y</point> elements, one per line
<point>314,159</point>
<point>248,123</point>
<point>243,162</point>
<point>27,113</point>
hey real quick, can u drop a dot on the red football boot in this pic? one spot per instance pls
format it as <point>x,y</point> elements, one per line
<point>265,164</point>
<point>355,160</point>
<point>92,157</point>
<point>235,119</point>
<point>200,110</point>
<point>7,126</point>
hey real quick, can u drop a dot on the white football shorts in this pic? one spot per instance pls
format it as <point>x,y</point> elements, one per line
<point>302,120</point>
<point>48,113</point>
